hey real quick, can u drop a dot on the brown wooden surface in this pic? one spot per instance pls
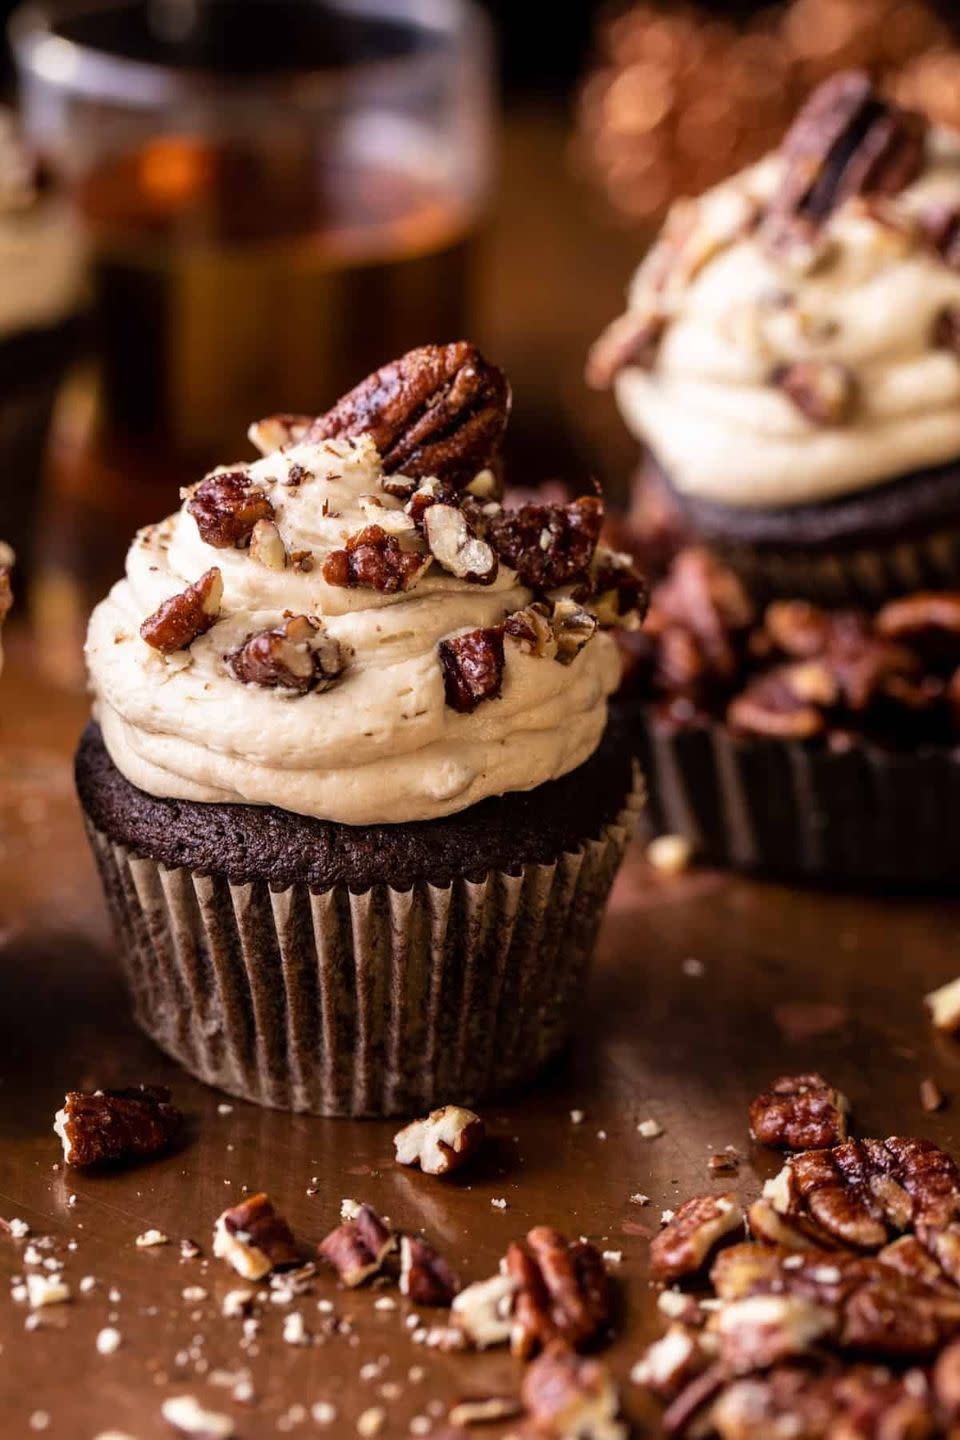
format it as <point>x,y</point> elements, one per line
<point>782,980</point>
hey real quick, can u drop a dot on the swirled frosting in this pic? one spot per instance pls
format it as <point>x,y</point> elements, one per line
<point>41,255</point>
<point>707,407</point>
<point>380,745</point>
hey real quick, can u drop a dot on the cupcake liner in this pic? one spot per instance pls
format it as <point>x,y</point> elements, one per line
<point>859,815</point>
<point>384,1002</point>
<point>847,577</point>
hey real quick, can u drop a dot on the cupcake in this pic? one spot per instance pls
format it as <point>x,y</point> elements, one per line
<point>41,273</point>
<point>350,782</point>
<point>790,357</point>
<point>798,739</point>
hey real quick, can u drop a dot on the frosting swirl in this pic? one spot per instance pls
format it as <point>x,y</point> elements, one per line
<point>41,255</point>
<point>381,743</point>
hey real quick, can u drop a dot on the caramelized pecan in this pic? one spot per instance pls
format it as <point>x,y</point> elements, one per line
<point>425,1277</point>
<point>565,1395</point>
<point>531,629</point>
<point>373,559</point>
<point>563,1292</point>
<point>358,1248</point>
<point>112,1125</point>
<point>276,431</point>
<point>446,1140</point>
<point>297,655</point>
<point>797,1402</point>
<point>946,330</point>
<point>617,592</point>
<point>929,622</point>
<point>484,1311</point>
<point>184,617</point>
<point>824,391</point>
<point>682,1246</point>
<point>226,506</point>
<point>255,1239</point>
<point>440,410</point>
<point>699,615</point>
<point>455,547</point>
<point>799,1112</point>
<point>472,667</point>
<point>548,545</point>
<point>573,627</point>
<point>769,705</point>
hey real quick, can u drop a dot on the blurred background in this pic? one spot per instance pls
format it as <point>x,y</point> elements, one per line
<point>229,207</point>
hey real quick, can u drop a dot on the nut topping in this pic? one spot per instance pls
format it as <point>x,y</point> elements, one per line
<point>940,225</point>
<point>566,1396</point>
<point>112,1125</point>
<point>563,1292</point>
<point>181,619</point>
<point>455,549</point>
<point>425,1277</point>
<point>484,1311</point>
<point>266,545</point>
<point>824,391</point>
<point>276,431</point>
<point>374,559</point>
<point>573,627</point>
<point>254,1239</point>
<point>472,666</point>
<point>548,545</point>
<point>682,1246</point>
<point>298,655</point>
<point>632,340</point>
<point>443,1142</point>
<point>358,1248</point>
<point>799,1112</point>
<point>440,410</point>
<point>531,630</point>
<point>617,593</point>
<point>226,507</point>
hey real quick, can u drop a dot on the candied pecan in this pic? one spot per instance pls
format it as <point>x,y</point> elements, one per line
<point>698,618</point>
<point>110,1125</point>
<point>531,629</point>
<point>373,559</point>
<point>297,655</point>
<point>671,1362</point>
<point>276,431</point>
<point>616,591</point>
<point>455,548</point>
<point>185,616</point>
<point>799,1112</point>
<point>548,545</point>
<point>927,622</point>
<point>632,339</point>
<point>472,667</point>
<point>769,705</point>
<point>797,628</point>
<point>440,410</point>
<point>682,1246</point>
<point>565,1395</point>
<point>226,506</point>
<point>562,1291</point>
<point>573,627</point>
<point>797,1402</point>
<point>255,1239</point>
<point>358,1248</point>
<point>267,547</point>
<point>762,1329</point>
<point>443,1142</point>
<point>824,391</point>
<point>425,1277</point>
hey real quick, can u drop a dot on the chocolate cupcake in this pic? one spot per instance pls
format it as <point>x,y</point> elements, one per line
<point>41,273</point>
<point>351,786</point>
<point>790,356</point>
<point>800,740</point>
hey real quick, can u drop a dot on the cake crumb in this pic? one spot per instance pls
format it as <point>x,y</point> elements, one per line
<point>149,1238</point>
<point>499,1204</point>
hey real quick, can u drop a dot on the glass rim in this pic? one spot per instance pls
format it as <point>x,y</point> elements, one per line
<point>86,70</point>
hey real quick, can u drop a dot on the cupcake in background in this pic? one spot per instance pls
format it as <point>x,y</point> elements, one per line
<point>352,787</point>
<point>41,286</point>
<point>790,356</point>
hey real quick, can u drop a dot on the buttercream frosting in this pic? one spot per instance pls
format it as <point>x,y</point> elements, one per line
<point>41,252</point>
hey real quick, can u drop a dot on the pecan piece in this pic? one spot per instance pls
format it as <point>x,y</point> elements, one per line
<point>548,545</point>
<point>671,1362</point>
<point>763,1329</point>
<point>455,548</point>
<point>276,431</point>
<point>928,622</point>
<point>769,705</point>
<point>799,1112</point>
<point>563,1292</point>
<point>373,559</point>
<point>698,620</point>
<point>254,1239</point>
<point>358,1248</point>
<point>226,506</point>
<point>472,666</point>
<point>531,629</point>
<point>617,592</point>
<point>298,655</point>
<point>565,1395</point>
<point>443,1142</point>
<point>632,340</point>
<point>824,391</point>
<point>573,628</point>
<point>267,547</point>
<point>944,1006</point>
<point>185,616</point>
<point>187,1416</point>
<point>484,1311</point>
<point>794,1402</point>
<point>940,226</point>
<point>440,410</point>
<point>111,1125</point>
<point>425,1277</point>
<point>685,1242</point>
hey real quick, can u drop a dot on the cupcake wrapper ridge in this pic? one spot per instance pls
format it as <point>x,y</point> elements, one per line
<point>847,577</point>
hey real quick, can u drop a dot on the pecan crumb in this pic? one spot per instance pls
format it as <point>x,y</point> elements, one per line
<point>799,1112</point>
<point>185,616</point>
<point>116,1125</point>
<point>443,1142</point>
<point>472,667</point>
<point>375,560</point>
<point>254,1239</point>
<point>298,655</point>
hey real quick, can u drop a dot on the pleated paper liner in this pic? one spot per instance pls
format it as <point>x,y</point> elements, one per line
<point>860,816</point>
<point>381,1003</point>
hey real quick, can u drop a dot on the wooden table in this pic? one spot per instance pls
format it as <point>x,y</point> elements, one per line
<point>707,986</point>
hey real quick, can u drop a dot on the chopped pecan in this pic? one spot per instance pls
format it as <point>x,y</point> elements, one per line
<point>565,1395</point>
<point>563,1292</point>
<point>685,1242</point>
<point>185,616</point>
<point>373,559</point>
<point>443,1142</point>
<point>769,705</point>
<point>940,225</point>
<point>548,545</point>
<point>671,1362</point>
<point>434,492</point>
<point>440,410</point>
<point>111,1125</point>
<point>472,667</point>
<point>531,629</point>
<point>6,589</point>
<point>632,340</point>
<point>484,1311</point>
<point>762,1329</point>
<point>276,431</point>
<point>927,622</point>
<point>298,655</point>
<point>266,545</point>
<point>799,1112</point>
<point>573,627</point>
<point>425,1277</point>
<point>455,548</point>
<point>358,1248</point>
<point>617,592</point>
<point>824,391</point>
<point>797,628</point>
<point>226,506</point>
<point>797,1402</point>
<point>254,1239</point>
<point>698,619</point>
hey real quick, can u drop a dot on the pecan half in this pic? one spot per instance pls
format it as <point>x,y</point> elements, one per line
<point>185,616</point>
<point>440,410</point>
<point>276,431</point>
<point>358,1248</point>
<point>254,1239</point>
<point>632,340</point>
<point>226,506</point>
<point>425,1277</point>
<point>671,1362</point>
<point>824,391</point>
<point>799,1112</point>
<point>548,545</point>
<point>484,1311</point>
<point>685,1242</point>
<point>298,655</point>
<point>116,1125</point>
<point>374,559</point>
<point>770,706</point>
<point>472,666</point>
<point>565,1395</point>
<point>443,1142</point>
<point>563,1292</point>
<point>455,548</point>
